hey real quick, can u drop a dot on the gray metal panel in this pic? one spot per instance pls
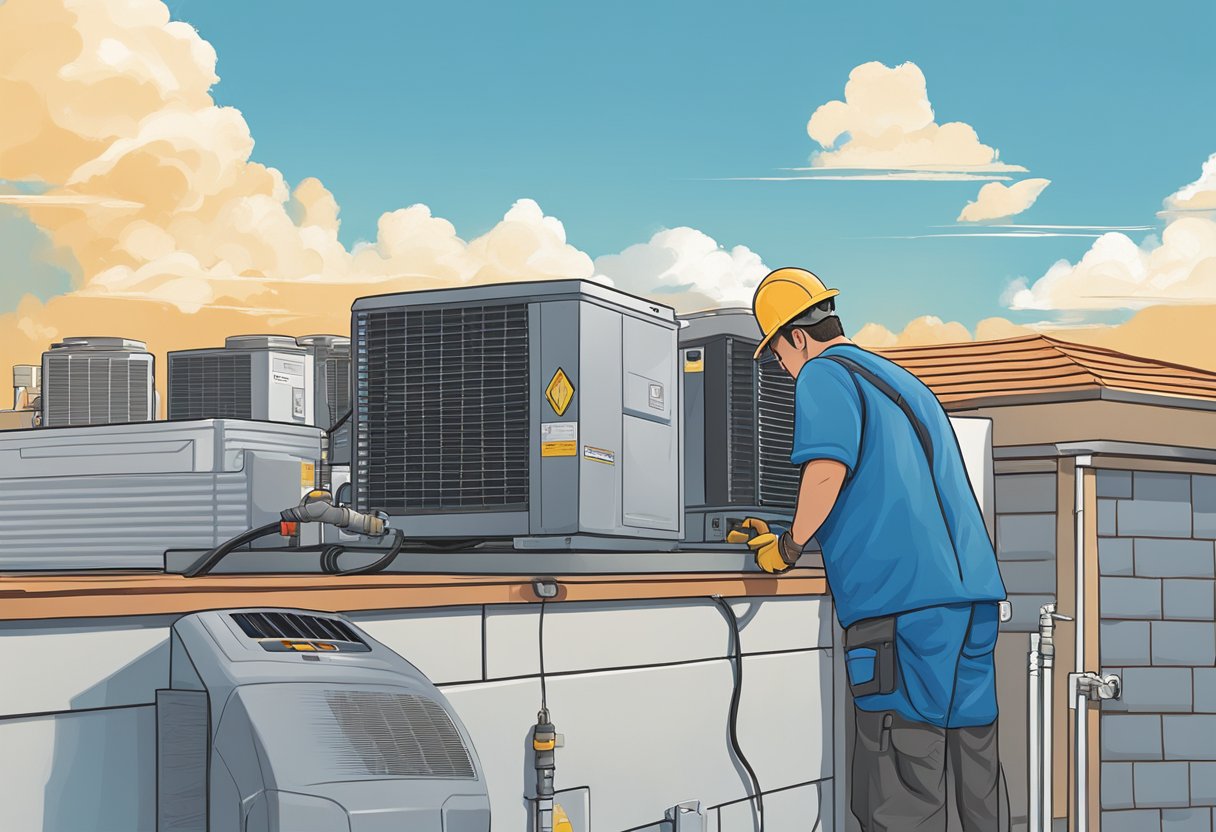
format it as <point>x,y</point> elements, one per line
<point>695,433</point>
<point>555,508</point>
<point>651,488</point>
<point>599,480</point>
<point>714,323</point>
<point>181,761</point>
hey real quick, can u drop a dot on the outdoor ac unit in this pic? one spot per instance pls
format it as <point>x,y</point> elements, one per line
<point>331,377</point>
<point>729,474</point>
<point>97,381</point>
<point>544,412</point>
<point>296,721</point>
<point>264,377</point>
<point>119,496</point>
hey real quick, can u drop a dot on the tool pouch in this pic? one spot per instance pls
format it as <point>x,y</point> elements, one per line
<point>869,655</point>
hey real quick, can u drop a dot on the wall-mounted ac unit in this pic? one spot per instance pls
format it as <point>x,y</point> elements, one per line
<point>97,381</point>
<point>119,496</point>
<point>544,412</point>
<point>283,720</point>
<point>732,422</point>
<point>264,377</point>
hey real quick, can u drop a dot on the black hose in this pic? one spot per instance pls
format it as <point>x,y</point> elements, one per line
<point>207,562</point>
<point>330,555</point>
<point>736,694</point>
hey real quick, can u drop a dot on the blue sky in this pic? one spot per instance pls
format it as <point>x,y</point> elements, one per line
<point>620,118</point>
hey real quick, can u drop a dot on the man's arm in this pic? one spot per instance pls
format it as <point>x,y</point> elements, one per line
<point>817,493</point>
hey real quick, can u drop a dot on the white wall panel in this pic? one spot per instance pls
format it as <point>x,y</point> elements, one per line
<point>445,644</point>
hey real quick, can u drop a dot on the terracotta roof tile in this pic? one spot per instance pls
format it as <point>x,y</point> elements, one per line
<point>1038,364</point>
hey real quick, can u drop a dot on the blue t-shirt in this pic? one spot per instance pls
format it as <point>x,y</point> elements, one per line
<point>886,545</point>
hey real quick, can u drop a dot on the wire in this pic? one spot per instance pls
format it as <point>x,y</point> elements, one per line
<point>207,562</point>
<point>544,693</point>
<point>330,555</point>
<point>736,694</point>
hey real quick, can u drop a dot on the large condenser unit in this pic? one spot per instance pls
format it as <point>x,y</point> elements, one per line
<point>738,421</point>
<point>331,377</point>
<point>264,377</point>
<point>544,412</point>
<point>279,720</point>
<point>119,496</point>
<point>97,381</point>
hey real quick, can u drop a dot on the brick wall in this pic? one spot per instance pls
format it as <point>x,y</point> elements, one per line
<point>1157,591</point>
<point>1026,543</point>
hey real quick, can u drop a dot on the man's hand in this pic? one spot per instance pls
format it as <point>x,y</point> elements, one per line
<point>766,546</point>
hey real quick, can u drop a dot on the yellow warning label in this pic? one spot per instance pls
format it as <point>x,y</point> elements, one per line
<point>694,366</point>
<point>560,392</point>
<point>559,449</point>
<point>308,473</point>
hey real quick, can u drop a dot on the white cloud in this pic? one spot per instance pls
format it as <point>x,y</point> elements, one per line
<point>1200,195</point>
<point>886,122</point>
<point>684,261</point>
<point>997,201</point>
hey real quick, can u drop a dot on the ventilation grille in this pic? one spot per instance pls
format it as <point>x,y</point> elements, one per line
<point>214,386</point>
<point>336,381</point>
<point>741,421</point>
<point>290,625</point>
<point>775,424</point>
<point>380,734</point>
<point>442,409</point>
<point>96,390</point>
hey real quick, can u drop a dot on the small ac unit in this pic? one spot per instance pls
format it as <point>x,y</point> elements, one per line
<point>544,412</point>
<point>282,720</point>
<point>737,418</point>
<point>263,377</point>
<point>97,381</point>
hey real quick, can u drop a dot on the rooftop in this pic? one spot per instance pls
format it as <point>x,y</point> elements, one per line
<point>1040,368</point>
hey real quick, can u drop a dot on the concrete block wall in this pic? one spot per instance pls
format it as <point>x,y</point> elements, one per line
<point>78,720</point>
<point>1026,543</point>
<point>1157,593</point>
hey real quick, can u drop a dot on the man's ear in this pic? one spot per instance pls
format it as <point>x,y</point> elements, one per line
<point>798,338</point>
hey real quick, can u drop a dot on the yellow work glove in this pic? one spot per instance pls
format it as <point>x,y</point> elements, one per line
<point>766,546</point>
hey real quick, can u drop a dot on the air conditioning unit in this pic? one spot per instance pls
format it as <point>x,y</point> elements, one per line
<point>728,471</point>
<point>264,377</point>
<point>119,496</point>
<point>282,720</point>
<point>331,377</point>
<point>97,381</point>
<point>544,412</point>
<point>27,385</point>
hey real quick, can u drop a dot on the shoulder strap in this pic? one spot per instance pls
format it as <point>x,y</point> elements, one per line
<point>854,369</point>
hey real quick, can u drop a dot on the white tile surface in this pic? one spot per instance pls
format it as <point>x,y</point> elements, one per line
<point>445,644</point>
<point>84,771</point>
<point>93,664</point>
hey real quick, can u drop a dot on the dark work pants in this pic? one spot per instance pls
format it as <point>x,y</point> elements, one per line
<point>899,774</point>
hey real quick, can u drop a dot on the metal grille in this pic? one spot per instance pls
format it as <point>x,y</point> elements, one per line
<point>217,386</point>
<point>95,390</point>
<point>292,625</point>
<point>336,371</point>
<point>775,420</point>
<point>381,734</point>
<point>741,420</point>
<point>441,409</point>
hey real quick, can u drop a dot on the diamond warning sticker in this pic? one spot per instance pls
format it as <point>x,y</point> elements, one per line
<point>559,439</point>
<point>560,392</point>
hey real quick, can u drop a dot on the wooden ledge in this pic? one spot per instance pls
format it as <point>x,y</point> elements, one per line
<point>30,597</point>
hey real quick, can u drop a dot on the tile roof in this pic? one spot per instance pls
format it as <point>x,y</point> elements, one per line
<point>1037,367</point>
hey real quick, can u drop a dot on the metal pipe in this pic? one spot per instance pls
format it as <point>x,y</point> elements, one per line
<point>1080,704</point>
<point>1034,774</point>
<point>1078,700</point>
<point>1047,654</point>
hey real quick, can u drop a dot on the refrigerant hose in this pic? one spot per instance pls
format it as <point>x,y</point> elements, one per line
<point>735,696</point>
<point>208,561</point>
<point>330,555</point>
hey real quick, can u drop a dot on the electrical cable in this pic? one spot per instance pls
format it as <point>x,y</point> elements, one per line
<point>207,562</point>
<point>736,695</point>
<point>544,693</point>
<point>330,555</point>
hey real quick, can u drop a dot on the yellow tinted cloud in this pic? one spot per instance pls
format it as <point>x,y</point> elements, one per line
<point>996,201</point>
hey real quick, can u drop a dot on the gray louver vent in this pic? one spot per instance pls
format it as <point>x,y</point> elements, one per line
<point>95,390</point>
<point>292,625</point>
<point>778,478</point>
<point>336,371</point>
<point>442,409</point>
<point>380,734</point>
<point>215,386</point>
<point>741,401</point>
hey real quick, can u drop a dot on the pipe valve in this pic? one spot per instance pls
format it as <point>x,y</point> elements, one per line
<point>1093,687</point>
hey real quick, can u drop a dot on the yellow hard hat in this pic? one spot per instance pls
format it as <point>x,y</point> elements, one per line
<point>783,296</point>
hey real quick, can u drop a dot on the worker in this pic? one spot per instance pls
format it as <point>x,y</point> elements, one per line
<point>911,569</point>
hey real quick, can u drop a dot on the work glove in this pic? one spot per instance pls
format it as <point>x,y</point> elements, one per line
<point>773,554</point>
